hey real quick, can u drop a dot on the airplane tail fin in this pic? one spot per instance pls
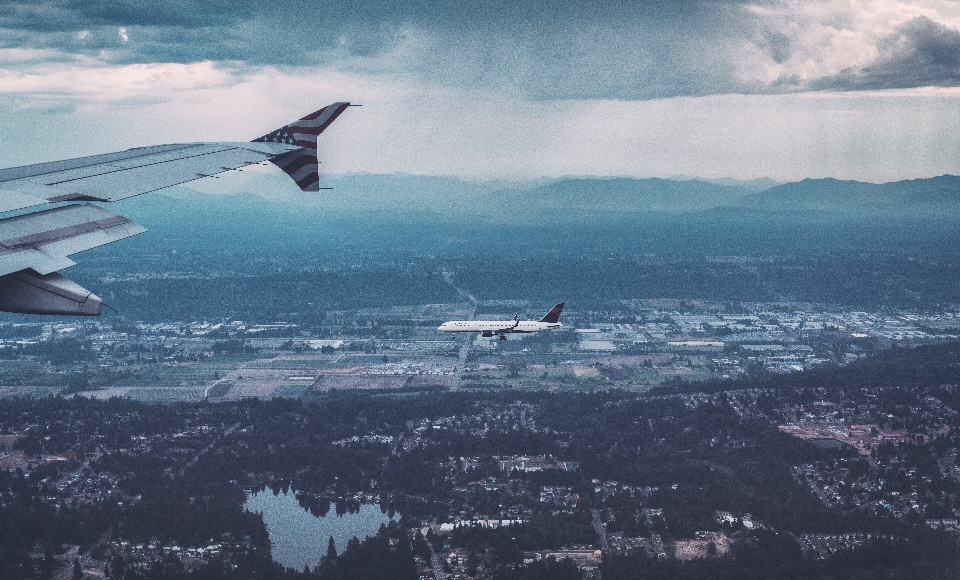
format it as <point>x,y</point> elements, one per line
<point>301,164</point>
<point>554,315</point>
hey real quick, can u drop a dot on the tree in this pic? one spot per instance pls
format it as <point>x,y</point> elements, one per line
<point>331,550</point>
<point>473,561</point>
<point>118,565</point>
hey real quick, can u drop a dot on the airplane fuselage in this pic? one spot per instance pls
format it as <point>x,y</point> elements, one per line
<point>502,328</point>
<point>492,327</point>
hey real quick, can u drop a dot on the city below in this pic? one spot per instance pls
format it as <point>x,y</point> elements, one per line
<point>635,348</point>
<point>665,434</point>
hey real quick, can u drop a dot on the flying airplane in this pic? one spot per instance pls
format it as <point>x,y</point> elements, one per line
<point>35,245</point>
<point>490,328</point>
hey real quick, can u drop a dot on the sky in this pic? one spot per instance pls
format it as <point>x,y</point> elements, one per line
<point>853,89</point>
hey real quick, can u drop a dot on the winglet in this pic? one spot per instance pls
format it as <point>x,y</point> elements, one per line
<point>301,164</point>
<point>554,315</point>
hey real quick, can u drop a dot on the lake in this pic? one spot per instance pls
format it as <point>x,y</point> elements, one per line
<point>299,538</point>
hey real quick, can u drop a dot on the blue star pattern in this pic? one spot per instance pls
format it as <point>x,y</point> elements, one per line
<point>281,135</point>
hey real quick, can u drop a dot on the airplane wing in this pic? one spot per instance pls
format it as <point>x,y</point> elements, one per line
<point>35,245</point>
<point>507,328</point>
<point>116,176</point>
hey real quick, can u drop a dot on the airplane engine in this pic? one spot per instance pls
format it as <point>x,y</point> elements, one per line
<point>29,292</point>
<point>486,333</point>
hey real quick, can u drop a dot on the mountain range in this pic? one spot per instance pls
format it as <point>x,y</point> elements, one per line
<point>566,200</point>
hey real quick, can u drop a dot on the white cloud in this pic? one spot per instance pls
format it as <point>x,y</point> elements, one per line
<point>85,106</point>
<point>793,43</point>
<point>89,82</point>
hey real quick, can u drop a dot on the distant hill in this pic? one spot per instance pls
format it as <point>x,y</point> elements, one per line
<point>375,238</point>
<point>450,198</point>
<point>934,198</point>
<point>572,199</point>
<point>569,200</point>
<point>390,215</point>
<point>754,185</point>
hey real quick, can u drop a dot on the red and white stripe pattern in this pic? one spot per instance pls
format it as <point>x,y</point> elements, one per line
<point>301,164</point>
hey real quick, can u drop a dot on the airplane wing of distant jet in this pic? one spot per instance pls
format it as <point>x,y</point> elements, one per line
<point>35,245</point>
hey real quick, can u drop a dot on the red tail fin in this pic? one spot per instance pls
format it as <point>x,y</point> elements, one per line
<point>554,315</point>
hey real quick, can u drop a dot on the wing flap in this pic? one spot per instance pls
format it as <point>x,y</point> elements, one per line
<point>43,240</point>
<point>13,199</point>
<point>32,258</point>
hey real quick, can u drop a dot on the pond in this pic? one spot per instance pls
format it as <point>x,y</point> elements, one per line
<point>300,538</point>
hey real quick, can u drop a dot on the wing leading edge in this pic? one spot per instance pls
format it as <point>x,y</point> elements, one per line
<point>35,245</point>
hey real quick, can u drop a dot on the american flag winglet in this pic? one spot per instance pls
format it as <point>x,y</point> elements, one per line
<point>301,164</point>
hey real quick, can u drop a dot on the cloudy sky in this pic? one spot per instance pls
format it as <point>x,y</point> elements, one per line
<point>853,89</point>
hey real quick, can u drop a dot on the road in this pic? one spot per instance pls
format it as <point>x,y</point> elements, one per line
<point>193,461</point>
<point>228,377</point>
<point>436,562</point>
<point>598,526</point>
<point>818,492</point>
<point>65,572</point>
<point>461,362</point>
<point>468,340</point>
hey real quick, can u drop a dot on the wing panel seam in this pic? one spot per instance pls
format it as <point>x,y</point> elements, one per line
<point>142,166</point>
<point>174,147</point>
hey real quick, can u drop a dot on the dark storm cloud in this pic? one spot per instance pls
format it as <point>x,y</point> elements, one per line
<point>286,32</point>
<point>919,53</point>
<point>72,15</point>
<point>546,49</point>
<point>777,45</point>
<point>551,49</point>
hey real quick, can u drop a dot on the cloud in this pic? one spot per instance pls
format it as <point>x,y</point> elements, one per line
<point>86,82</point>
<point>83,107</point>
<point>60,15</point>
<point>919,53</point>
<point>547,50</point>
<point>856,45</point>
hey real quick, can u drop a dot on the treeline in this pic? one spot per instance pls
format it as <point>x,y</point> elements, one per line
<point>302,297</point>
<point>28,522</point>
<point>506,544</point>
<point>388,555</point>
<point>919,368</point>
<point>699,453</point>
<point>767,555</point>
<point>852,279</point>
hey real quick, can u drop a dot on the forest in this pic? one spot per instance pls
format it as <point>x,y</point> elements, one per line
<point>685,452</point>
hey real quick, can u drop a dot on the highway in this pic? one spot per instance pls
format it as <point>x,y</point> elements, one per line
<point>468,341</point>
<point>598,526</point>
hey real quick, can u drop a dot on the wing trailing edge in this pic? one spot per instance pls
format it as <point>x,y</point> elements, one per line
<point>42,241</point>
<point>34,246</point>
